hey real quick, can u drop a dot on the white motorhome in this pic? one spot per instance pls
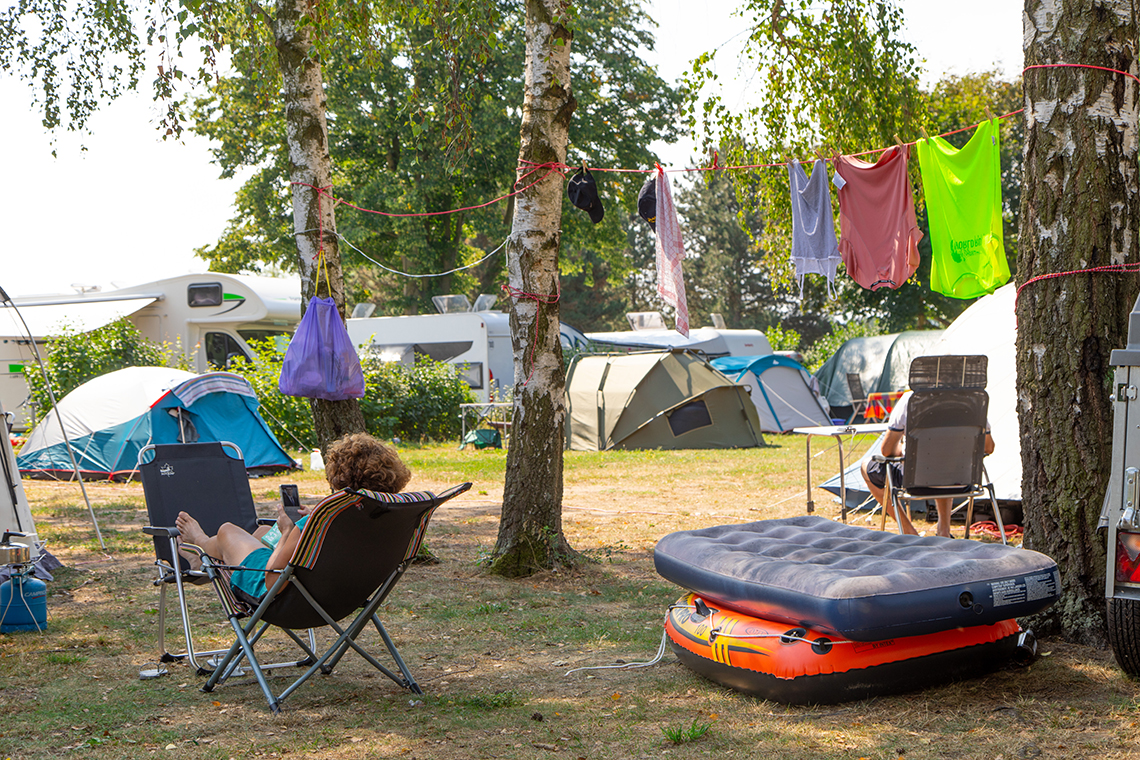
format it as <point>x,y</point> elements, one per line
<point>478,343</point>
<point>209,317</point>
<point>476,340</point>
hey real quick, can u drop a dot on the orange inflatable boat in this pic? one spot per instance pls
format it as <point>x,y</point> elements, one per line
<point>796,665</point>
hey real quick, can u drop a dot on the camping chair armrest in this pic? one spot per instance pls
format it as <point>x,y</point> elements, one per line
<point>267,521</point>
<point>883,459</point>
<point>161,532</point>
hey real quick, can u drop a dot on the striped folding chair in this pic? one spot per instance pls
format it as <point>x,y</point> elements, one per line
<point>353,550</point>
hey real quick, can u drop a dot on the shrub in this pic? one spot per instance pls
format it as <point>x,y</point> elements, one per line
<point>823,348</point>
<point>289,417</point>
<point>74,357</point>
<point>782,340</point>
<point>417,403</point>
<point>414,403</point>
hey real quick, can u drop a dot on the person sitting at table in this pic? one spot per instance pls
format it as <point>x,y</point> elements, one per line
<point>875,475</point>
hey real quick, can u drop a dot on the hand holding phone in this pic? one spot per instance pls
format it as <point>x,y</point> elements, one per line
<point>291,501</point>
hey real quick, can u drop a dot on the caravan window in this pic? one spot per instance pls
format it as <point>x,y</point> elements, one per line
<point>204,294</point>
<point>280,338</point>
<point>221,347</point>
<point>689,417</point>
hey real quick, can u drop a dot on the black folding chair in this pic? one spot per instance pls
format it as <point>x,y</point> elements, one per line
<point>858,396</point>
<point>945,437</point>
<point>206,482</point>
<point>354,548</point>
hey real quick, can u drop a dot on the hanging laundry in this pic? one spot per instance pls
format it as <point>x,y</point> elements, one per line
<point>655,205</point>
<point>583,193</point>
<point>814,250</point>
<point>878,231</point>
<point>963,205</point>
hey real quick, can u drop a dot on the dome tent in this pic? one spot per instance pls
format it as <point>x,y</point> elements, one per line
<point>110,418</point>
<point>780,388</point>
<point>656,400</point>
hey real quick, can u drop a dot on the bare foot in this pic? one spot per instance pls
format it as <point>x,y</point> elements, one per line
<point>943,532</point>
<point>193,558</point>
<point>190,529</point>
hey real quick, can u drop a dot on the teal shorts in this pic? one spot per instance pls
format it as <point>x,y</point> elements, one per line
<point>252,581</point>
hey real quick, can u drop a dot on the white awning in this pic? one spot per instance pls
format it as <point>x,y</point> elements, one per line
<point>81,316</point>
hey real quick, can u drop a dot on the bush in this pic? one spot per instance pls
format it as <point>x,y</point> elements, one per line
<point>823,348</point>
<point>289,417</point>
<point>782,340</point>
<point>74,357</point>
<point>416,403</point>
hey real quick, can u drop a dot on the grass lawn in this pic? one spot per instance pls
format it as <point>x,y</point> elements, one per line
<point>492,654</point>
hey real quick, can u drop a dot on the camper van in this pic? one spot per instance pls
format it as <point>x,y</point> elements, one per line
<point>209,317</point>
<point>475,339</point>
<point>477,343</point>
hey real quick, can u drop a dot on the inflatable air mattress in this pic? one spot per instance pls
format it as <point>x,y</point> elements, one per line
<point>855,583</point>
<point>802,666</point>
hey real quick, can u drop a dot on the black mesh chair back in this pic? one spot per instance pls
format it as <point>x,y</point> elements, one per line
<point>201,479</point>
<point>931,372</point>
<point>945,441</point>
<point>858,395</point>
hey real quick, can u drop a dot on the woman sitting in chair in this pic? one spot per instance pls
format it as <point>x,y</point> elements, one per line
<point>355,462</point>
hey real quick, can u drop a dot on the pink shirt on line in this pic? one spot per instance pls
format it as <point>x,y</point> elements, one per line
<point>879,232</point>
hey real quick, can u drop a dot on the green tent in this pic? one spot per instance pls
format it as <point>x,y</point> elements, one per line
<point>881,361</point>
<point>656,400</point>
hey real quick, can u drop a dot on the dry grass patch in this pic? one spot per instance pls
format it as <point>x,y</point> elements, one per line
<point>492,654</point>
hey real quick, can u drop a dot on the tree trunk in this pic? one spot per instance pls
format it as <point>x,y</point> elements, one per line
<point>310,167</point>
<point>530,530</point>
<point>1079,210</point>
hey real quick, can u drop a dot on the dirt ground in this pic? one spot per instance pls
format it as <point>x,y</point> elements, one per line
<point>494,655</point>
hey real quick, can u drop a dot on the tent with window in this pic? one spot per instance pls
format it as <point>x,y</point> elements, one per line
<point>110,418</point>
<point>780,388</point>
<point>881,361</point>
<point>656,400</point>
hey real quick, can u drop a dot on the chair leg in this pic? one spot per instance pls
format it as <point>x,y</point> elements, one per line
<point>969,515</point>
<point>997,513</point>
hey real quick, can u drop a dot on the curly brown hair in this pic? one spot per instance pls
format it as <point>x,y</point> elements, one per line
<point>359,461</point>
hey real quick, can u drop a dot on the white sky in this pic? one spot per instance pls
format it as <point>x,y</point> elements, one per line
<point>132,207</point>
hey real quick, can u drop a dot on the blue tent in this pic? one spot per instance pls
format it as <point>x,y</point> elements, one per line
<point>109,419</point>
<point>781,390</point>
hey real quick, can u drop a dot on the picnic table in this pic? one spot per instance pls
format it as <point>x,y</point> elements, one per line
<point>837,432</point>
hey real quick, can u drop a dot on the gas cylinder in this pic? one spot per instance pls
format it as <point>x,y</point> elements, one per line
<point>23,603</point>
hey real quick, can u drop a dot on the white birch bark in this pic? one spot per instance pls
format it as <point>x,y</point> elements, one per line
<point>1079,210</point>
<point>530,531</point>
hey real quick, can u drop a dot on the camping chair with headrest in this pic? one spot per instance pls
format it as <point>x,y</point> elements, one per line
<point>858,396</point>
<point>945,437</point>
<point>354,548</point>
<point>204,481</point>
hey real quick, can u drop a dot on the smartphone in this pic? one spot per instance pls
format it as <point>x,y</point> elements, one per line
<point>291,499</point>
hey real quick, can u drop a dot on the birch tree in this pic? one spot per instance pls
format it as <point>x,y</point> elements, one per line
<point>530,529</point>
<point>1079,210</point>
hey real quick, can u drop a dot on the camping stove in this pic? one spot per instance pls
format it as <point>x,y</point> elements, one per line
<point>23,597</point>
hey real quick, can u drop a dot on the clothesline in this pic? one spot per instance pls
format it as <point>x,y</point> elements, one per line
<point>560,168</point>
<point>557,167</point>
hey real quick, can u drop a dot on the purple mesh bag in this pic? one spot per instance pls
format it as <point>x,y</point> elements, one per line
<point>321,361</point>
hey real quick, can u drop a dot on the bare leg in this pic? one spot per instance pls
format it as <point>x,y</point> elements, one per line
<point>943,506</point>
<point>231,545</point>
<point>903,519</point>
